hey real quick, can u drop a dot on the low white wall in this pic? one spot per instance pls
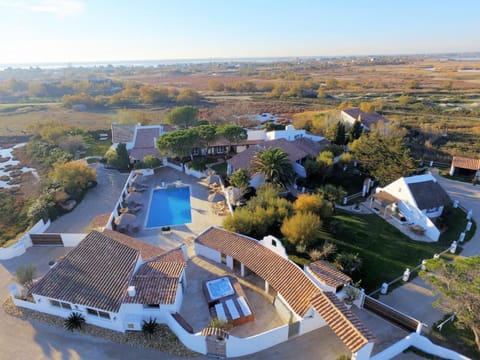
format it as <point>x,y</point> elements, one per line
<point>72,240</point>
<point>244,346</point>
<point>120,200</point>
<point>208,253</point>
<point>419,342</point>
<point>24,242</point>
<point>195,173</point>
<point>173,166</point>
<point>194,342</point>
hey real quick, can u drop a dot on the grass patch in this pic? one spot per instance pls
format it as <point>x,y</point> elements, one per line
<point>455,337</point>
<point>456,221</point>
<point>385,251</point>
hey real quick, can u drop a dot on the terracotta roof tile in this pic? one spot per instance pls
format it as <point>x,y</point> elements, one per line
<point>329,275</point>
<point>157,280</point>
<point>145,143</point>
<point>466,163</point>
<point>295,150</point>
<point>342,321</point>
<point>94,274</point>
<point>99,270</point>
<point>290,281</point>
<point>282,275</point>
<point>147,251</point>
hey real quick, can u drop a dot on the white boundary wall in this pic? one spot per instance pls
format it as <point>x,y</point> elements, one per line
<point>419,342</point>
<point>194,342</point>
<point>24,243</point>
<point>245,346</point>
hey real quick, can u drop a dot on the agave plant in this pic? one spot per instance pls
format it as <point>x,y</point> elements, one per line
<point>150,327</point>
<point>74,321</point>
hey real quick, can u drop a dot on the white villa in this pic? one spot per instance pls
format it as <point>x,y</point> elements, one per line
<point>413,200</point>
<point>117,282</point>
<point>114,280</point>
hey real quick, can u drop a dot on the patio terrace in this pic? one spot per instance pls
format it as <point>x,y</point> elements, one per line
<point>195,308</point>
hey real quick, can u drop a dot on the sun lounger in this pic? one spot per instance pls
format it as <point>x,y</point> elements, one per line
<point>244,306</point>
<point>232,309</point>
<point>220,312</point>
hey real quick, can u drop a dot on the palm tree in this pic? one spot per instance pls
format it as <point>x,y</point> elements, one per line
<point>274,165</point>
<point>150,327</point>
<point>333,194</point>
<point>348,262</point>
<point>74,321</point>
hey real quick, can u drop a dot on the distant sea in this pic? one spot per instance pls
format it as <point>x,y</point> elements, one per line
<point>153,63</point>
<point>144,63</point>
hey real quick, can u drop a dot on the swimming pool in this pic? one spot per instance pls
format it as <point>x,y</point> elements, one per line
<point>169,206</point>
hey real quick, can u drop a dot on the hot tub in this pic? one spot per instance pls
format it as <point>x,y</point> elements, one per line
<point>219,288</point>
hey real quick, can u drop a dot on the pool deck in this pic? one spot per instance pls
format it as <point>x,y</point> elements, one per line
<point>202,213</point>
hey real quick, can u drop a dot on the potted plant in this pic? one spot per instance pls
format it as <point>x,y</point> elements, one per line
<point>352,293</point>
<point>166,230</point>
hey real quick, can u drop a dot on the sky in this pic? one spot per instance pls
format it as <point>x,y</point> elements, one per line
<point>40,31</point>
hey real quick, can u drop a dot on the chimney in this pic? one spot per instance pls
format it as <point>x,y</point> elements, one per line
<point>131,291</point>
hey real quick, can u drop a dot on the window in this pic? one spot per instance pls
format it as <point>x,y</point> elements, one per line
<point>98,313</point>
<point>104,315</point>
<point>61,304</point>
<point>66,306</point>
<point>151,306</point>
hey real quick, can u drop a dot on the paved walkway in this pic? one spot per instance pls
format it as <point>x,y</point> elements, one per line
<point>99,200</point>
<point>469,197</point>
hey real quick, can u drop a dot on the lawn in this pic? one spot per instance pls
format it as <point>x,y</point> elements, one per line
<point>457,222</point>
<point>455,337</point>
<point>385,251</point>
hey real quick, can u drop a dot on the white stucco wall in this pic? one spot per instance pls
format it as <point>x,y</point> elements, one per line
<point>419,342</point>
<point>244,346</point>
<point>194,342</point>
<point>24,242</point>
<point>208,253</point>
<point>311,321</point>
<point>284,310</point>
<point>72,240</point>
<point>42,304</point>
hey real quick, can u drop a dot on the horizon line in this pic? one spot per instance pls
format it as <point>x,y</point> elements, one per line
<point>200,60</point>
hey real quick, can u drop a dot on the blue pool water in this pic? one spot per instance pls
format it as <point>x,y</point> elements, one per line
<point>170,206</point>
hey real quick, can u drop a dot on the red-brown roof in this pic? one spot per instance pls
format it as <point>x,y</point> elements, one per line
<point>157,280</point>
<point>367,119</point>
<point>145,143</point>
<point>289,280</point>
<point>295,150</point>
<point>147,251</point>
<point>342,321</point>
<point>327,274</point>
<point>95,274</point>
<point>99,270</point>
<point>466,163</point>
